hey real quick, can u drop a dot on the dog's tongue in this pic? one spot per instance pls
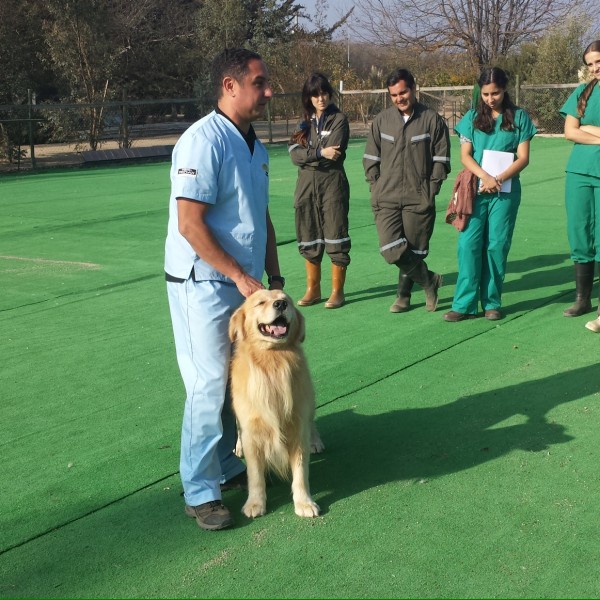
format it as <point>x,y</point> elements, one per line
<point>277,330</point>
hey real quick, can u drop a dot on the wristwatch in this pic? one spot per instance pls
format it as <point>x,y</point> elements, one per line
<point>272,278</point>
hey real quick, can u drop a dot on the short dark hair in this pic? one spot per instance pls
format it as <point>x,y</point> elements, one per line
<point>232,62</point>
<point>316,84</point>
<point>400,75</point>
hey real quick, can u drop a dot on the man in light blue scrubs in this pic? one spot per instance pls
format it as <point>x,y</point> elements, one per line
<point>219,244</point>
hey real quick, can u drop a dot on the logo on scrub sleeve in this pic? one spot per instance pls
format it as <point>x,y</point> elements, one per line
<point>187,172</point>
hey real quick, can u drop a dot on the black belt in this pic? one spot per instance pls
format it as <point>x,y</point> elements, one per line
<point>174,279</point>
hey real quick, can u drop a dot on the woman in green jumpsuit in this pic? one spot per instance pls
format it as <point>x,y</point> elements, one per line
<point>322,196</point>
<point>582,126</point>
<point>496,124</point>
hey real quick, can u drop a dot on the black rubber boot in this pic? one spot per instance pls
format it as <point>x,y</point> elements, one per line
<point>584,280</point>
<point>405,286</point>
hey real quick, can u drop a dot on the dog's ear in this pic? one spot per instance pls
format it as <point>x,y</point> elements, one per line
<point>236,324</point>
<point>301,326</point>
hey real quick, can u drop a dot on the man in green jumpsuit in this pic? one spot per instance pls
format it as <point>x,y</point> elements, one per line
<point>407,157</point>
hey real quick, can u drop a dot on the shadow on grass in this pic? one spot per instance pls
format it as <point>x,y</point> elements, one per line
<point>536,274</point>
<point>364,451</point>
<point>534,265</point>
<point>146,531</point>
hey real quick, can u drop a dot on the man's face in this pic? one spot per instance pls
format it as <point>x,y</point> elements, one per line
<point>403,97</point>
<point>253,92</point>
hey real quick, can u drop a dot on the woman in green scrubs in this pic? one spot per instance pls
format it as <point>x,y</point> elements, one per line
<point>582,189</point>
<point>495,124</point>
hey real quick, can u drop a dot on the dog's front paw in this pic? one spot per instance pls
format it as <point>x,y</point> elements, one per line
<point>307,508</point>
<point>254,508</point>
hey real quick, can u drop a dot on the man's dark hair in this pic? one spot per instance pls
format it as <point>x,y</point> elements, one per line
<point>400,75</point>
<point>232,62</point>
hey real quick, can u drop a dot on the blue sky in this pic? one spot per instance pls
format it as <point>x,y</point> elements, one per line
<point>336,8</point>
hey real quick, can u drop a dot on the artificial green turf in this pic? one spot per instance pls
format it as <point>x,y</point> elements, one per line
<point>460,461</point>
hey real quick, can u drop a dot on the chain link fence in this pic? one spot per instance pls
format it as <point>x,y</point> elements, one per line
<point>39,135</point>
<point>450,102</point>
<point>543,102</point>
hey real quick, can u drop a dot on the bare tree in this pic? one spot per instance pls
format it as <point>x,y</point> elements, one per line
<point>484,29</point>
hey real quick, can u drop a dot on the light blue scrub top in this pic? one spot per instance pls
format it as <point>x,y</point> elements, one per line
<point>212,163</point>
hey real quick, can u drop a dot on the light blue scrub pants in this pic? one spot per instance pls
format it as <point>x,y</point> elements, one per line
<point>483,250</point>
<point>200,313</point>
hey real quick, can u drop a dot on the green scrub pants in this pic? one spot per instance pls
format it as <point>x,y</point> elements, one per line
<point>483,249</point>
<point>582,194</point>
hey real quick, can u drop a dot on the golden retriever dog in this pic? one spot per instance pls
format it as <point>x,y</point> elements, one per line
<point>273,397</point>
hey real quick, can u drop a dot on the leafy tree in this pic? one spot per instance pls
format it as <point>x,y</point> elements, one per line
<point>557,60</point>
<point>100,48</point>
<point>272,28</point>
<point>20,69</point>
<point>559,52</point>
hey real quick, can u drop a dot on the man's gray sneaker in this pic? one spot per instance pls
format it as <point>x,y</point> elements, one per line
<point>211,515</point>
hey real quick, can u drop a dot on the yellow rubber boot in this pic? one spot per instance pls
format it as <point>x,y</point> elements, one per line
<point>338,279</point>
<point>313,285</point>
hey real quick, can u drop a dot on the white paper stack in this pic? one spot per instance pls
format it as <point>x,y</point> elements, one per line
<point>495,162</point>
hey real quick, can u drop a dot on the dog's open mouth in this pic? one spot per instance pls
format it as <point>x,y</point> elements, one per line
<point>278,329</point>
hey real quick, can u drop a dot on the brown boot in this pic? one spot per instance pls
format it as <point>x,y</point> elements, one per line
<point>338,278</point>
<point>428,280</point>
<point>402,302</point>
<point>584,281</point>
<point>313,285</point>
<point>431,291</point>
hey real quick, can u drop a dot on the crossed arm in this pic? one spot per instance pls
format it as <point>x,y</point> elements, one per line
<point>581,134</point>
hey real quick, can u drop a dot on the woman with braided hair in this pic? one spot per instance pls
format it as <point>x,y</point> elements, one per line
<point>582,189</point>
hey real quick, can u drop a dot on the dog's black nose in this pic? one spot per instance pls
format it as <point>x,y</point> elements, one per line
<point>280,305</point>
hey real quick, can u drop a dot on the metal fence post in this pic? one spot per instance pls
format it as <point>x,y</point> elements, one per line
<point>30,98</point>
<point>125,143</point>
<point>269,121</point>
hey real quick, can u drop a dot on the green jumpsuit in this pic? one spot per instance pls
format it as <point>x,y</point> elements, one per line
<point>322,196</point>
<point>484,244</point>
<point>582,186</point>
<point>405,164</point>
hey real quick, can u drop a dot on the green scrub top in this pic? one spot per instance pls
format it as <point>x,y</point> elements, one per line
<point>585,158</point>
<point>503,141</point>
